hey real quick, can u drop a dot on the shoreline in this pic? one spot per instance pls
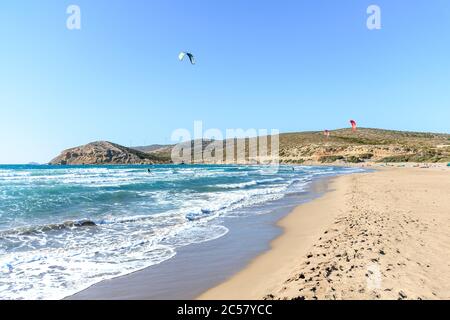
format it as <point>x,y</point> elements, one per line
<point>251,282</point>
<point>307,260</point>
<point>198,267</point>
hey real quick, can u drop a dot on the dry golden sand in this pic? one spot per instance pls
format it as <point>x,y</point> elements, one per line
<point>380,235</point>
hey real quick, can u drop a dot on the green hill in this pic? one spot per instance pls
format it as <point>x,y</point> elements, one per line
<point>342,146</point>
<point>365,145</point>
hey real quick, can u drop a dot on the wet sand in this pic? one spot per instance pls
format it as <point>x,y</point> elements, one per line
<point>379,235</point>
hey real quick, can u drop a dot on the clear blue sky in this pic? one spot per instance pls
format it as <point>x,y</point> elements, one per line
<point>290,65</point>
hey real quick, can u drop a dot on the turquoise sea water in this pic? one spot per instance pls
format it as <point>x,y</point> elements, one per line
<point>64,228</point>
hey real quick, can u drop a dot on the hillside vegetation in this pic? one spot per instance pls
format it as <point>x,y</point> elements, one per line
<point>373,145</point>
<point>346,146</point>
<point>342,146</point>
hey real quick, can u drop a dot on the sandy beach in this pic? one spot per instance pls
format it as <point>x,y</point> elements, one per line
<point>378,235</point>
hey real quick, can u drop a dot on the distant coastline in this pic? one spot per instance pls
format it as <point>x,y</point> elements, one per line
<point>339,147</point>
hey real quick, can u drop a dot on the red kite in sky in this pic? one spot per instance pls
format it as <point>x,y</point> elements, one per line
<point>353,123</point>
